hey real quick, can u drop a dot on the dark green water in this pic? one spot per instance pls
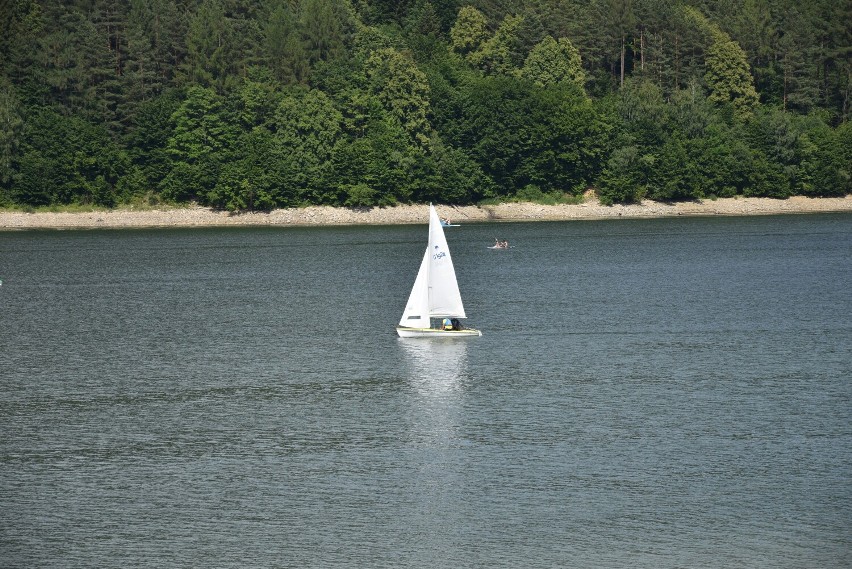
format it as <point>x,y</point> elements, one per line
<point>661,393</point>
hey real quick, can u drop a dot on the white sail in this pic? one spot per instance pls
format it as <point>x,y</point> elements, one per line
<point>444,297</point>
<point>416,313</point>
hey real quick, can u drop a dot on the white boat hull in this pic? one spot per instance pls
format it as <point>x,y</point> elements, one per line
<point>435,332</point>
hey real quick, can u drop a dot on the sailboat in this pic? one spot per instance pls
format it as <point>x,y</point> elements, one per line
<point>435,293</point>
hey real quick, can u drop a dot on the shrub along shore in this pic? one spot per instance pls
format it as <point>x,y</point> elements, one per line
<point>406,214</point>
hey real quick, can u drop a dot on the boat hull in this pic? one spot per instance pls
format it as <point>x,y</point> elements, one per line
<point>435,332</point>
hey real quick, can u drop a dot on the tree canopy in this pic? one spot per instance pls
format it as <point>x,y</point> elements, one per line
<point>247,105</point>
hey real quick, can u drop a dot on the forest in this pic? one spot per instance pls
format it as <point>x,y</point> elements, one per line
<point>254,105</point>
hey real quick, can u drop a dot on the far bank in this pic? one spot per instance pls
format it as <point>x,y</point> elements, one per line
<point>407,214</point>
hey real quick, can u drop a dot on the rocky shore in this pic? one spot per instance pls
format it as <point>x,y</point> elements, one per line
<point>404,214</point>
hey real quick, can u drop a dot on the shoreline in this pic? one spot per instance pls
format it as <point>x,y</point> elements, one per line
<point>413,214</point>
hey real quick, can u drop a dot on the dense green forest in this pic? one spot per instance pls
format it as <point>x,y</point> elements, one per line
<point>249,104</point>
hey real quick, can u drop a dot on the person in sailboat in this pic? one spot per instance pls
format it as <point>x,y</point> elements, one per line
<point>448,324</point>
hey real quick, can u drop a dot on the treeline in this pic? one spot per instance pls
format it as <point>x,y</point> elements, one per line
<point>249,104</point>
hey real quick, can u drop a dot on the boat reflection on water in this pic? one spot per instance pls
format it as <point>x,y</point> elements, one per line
<point>435,366</point>
<point>436,376</point>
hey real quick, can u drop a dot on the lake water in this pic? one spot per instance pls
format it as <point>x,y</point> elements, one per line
<point>646,393</point>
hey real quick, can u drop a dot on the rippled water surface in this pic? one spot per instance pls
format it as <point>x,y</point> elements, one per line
<point>658,393</point>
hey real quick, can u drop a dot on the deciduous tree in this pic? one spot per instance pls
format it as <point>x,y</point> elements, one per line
<point>554,61</point>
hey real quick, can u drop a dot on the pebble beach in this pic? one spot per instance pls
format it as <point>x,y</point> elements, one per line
<point>408,214</point>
